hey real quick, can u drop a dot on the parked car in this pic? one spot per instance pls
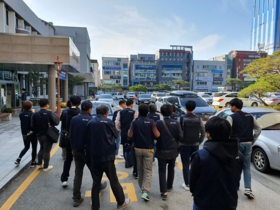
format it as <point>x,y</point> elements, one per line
<point>106,98</point>
<point>160,102</point>
<point>98,94</point>
<point>118,96</point>
<point>275,100</point>
<point>207,98</point>
<point>222,100</point>
<point>266,150</point>
<point>156,96</point>
<point>130,95</point>
<point>179,99</point>
<point>272,94</point>
<point>143,99</point>
<point>139,93</point>
<point>96,103</point>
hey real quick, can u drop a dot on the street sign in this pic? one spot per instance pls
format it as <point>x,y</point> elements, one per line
<point>62,75</point>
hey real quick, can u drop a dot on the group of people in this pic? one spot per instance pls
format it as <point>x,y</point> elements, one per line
<point>212,174</point>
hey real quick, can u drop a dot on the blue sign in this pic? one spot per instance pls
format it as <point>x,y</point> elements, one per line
<point>112,68</point>
<point>115,77</point>
<point>217,71</point>
<point>62,75</point>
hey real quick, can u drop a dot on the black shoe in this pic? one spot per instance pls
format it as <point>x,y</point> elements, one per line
<point>169,190</point>
<point>17,162</point>
<point>163,197</point>
<point>249,193</point>
<point>135,175</point>
<point>77,202</point>
<point>103,186</point>
<point>33,164</point>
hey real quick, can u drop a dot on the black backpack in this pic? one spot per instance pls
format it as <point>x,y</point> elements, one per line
<point>191,129</point>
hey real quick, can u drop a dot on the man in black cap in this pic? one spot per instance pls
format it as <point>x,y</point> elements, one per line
<point>23,97</point>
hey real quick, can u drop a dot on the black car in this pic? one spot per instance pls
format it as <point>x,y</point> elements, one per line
<point>144,99</point>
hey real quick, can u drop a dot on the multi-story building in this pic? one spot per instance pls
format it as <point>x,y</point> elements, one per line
<point>95,70</point>
<point>208,75</point>
<point>174,64</point>
<point>142,70</point>
<point>265,33</point>
<point>115,71</point>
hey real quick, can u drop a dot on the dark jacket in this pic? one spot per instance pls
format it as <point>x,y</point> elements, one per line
<point>67,117</point>
<point>23,97</point>
<point>40,120</point>
<point>25,122</point>
<point>215,174</point>
<point>175,117</point>
<point>155,117</point>
<point>126,117</point>
<point>143,133</point>
<point>101,139</point>
<point>167,148</point>
<point>78,131</point>
<point>242,126</point>
<point>63,119</point>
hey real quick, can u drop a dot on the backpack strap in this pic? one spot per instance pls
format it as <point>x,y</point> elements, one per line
<point>167,130</point>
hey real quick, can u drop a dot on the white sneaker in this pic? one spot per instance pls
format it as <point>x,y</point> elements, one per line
<point>185,187</point>
<point>119,157</point>
<point>64,184</point>
<point>48,169</point>
<point>39,166</point>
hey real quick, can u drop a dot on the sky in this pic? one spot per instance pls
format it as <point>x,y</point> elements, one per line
<point>124,27</point>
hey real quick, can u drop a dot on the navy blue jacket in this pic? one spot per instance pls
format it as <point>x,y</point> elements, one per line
<point>101,139</point>
<point>143,133</point>
<point>154,116</point>
<point>63,119</point>
<point>23,97</point>
<point>67,117</point>
<point>242,126</point>
<point>175,117</point>
<point>25,122</point>
<point>126,117</point>
<point>215,174</point>
<point>78,131</point>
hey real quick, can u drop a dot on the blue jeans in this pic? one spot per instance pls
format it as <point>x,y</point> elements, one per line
<point>118,141</point>
<point>246,150</point>
<point>195,207</point>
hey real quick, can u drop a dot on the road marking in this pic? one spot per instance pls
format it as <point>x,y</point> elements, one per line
<point>179,164</point>
<point>88,195</point>
<point>129,190</point>
<point>118,161</point>
<point>13,198</point>
<point>124,175</point>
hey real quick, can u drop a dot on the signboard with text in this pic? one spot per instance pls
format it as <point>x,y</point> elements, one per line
<point>209,79</point>
<point>112,68</point>
<point>62,75</point>
<point>115,77</point>
<point>217,71</point>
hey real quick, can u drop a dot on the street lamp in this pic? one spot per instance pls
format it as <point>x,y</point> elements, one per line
<point>58,66</point>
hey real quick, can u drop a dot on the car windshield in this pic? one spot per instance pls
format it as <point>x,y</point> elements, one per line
<point>161,94</point>
<point>105,96</point>
<point>94,105</point>
<point>131,93</point>
<point>219,94</point>
<point>199,101</point>
<point>144,96</point>
<point>268,121</point>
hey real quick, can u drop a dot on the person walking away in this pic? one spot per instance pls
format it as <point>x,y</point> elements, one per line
<point>39,122</point>
<point>23,97</point>
<point>28,135</point>
<point>216,169</point>
<point>63,127</point>
<point>155,117</point>
<point>143,130</point>
<point>122,105</point>
<point>78,138</point>
<point>167,148</point>
<point>75,102</point>
<point>174,116</point>
<point>102,147</point>
<point>247,129</point>
<point>123,121</point>
<point>194,134</point>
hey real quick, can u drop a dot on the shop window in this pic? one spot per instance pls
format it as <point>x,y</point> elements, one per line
<point>116,63</point>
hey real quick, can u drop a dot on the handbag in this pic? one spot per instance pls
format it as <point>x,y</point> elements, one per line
<point>52,132</point>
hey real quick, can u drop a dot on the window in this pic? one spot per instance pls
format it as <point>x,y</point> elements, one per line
<point>198,66</point>
<point>107,72</point>
<point>232,95</point>
<point>125,65</point>
<point>7,17</point>
<point>142,58</point>
<point>132,59</point>
<point>209,67</point>
<point>116,73</point>
<point>173,100</point>
<point>107,82</point>
<point>217,83</point>
<point>116,63</point>
<point>118,81</point>
<point>125,82</point>
<point>107,63</point>
<point>217,75</point>
<point>202,74</point>
<point>220,67</point>
<point>125,73</point>
<point>150,58</point>
<point>202,83</point>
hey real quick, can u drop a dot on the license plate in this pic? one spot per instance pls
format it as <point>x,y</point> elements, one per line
<point>146,101</point>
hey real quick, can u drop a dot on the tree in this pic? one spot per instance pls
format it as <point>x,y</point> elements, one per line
<point>162,87</point>
<point>104,88</point>
<point>234,83</point>
<point>179,83</point>
<point>138,88</point>
<point>119,90</point>
<point>74,81</point>
<point>36,79</point>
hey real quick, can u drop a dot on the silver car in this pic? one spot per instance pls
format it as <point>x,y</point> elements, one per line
<point>96,103</point>
<point>106,98</point>
<point>266,150</point>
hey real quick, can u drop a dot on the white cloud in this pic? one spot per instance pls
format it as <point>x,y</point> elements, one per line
<point>207,43</point>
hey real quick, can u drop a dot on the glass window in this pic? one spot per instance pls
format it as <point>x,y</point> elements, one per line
<point>96,105</point>
<point>125,73</point>
<point>125,65</point>
<point>198,66</point>
<point>116,73</point>
<point>202,74</point>
<point>199,101</point>
<point>125,82</point>
<point>116,63</point>
<point>107,63</point>
<point>107,72</point>
<point>209,67</point>
<point>217,75</point>
<point>105,96</point>
<point>202,83</point>
<point>107,82</point>
<point>150,58</point>
<point>1,75</point>
<point>217,83</point>
<point>132,59</point>
<point>142,58</point>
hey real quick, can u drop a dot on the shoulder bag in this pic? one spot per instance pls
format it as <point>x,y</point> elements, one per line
<point>52,132</point>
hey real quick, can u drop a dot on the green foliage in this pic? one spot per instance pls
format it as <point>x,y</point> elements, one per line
<point>234,83</point>
<point>138,88</point>
<point>162,87</point>
<point>104,88</point>
<point>35,79</point>
<point>7,110</point>
<point>119,90</point>
<point>180,83</point>
<point>75,80</point>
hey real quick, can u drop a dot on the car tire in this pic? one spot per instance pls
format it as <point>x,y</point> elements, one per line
<point>227,105</point>
<point>260,160</point>
<point>254,104</point>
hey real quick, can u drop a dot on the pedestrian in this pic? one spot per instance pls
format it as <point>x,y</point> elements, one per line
<point>143,130</point>
<point>102,147</point>
<point>39,122</point>
<point>122,105</point>
<point>23,97</point>
<point>28,134</point>
<point>78,137</point>
<point>247,129</point>
<point>75,102</point>
<point>167,148</point>
<point>174,116</point>
<point>63,127</point>
<point>194,134</point>
<point>216,169</point>
<point>155,117</point>
<point>123,121</point>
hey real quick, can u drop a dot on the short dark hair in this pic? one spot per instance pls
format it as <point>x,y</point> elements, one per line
<point>68,104</point>
<point>173,108</point>
<point>43,102</point>
<point>129,102</point>
<point>102,109</point>
<point>236,102</point>
<point>218,128</point>
<point>166,110</point>
<point>143,110</point>
<point>190,105</point>
<point>86,105</point>
<point>27,105</point>
<point>153,108</point>
<point>122,102</point>
<point>23,89</point>
<point>75,100</point>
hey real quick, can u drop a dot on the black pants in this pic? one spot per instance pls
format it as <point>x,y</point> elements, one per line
<point>27,140</point>
<point>80,162</point>
<point>97,173</point>
<point>45,150</point>
<point>67,164</point>
<point>162,174</point>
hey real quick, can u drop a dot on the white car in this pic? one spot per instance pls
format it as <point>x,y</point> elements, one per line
<point>98,94</point>
<point>156,96</point>
<point>96,103</point>
<point>130,95</point>
<point>106,98</point>
<point>118,96</point>
<point>223,99</point>
<point>271,101</point>
<point>160,102</point>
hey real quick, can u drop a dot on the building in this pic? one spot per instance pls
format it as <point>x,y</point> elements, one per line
<point>142,70</point>
<point>265,33</point>
<point>28,43</point>
<point>115,71</point>
<point>95,70</point>
<point>208,75</point>
<point>174,64</point>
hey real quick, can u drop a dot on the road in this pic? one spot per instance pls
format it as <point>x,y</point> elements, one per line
<point>37,190</point>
